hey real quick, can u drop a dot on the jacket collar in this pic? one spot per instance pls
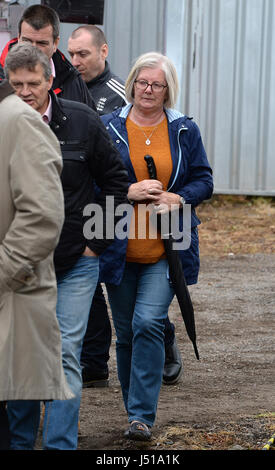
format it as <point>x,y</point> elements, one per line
<point>63,69</point>
<point>172,114</point>
<point>102,78</point>
<point>5,89</point>
<point>58,116</point>
<point>177,123</point>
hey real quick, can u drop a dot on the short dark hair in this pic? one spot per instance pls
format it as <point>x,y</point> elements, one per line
<point>26,56</point>
<point>39,16</point>
<point>96,34</point>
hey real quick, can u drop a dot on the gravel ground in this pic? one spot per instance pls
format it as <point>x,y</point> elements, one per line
<point>225,400</point>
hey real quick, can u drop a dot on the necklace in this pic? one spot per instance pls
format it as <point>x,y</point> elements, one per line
<point>148,141</point>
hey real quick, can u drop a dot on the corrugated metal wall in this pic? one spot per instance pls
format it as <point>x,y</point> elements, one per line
<point>229,89</point>
<point>132,28</point>
<point>224,52</point>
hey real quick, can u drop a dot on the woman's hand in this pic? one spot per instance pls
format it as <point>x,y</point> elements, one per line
<point>151,191</point>
<point>166,202</point>
<point>145,190</point>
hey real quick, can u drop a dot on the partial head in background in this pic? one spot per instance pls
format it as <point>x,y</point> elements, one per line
<point>40,26</point>
<point>88,50</point>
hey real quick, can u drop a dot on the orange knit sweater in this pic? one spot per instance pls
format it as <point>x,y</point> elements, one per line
<point>142,248</point>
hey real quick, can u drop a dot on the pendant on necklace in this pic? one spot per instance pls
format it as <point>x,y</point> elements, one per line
<point>148,142</point>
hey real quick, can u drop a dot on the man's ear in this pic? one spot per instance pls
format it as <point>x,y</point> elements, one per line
<point>50,82</point>
<point>104,50</point>
<point>56,42</point>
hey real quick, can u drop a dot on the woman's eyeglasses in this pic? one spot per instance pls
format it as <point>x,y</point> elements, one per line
<point>155,86</point>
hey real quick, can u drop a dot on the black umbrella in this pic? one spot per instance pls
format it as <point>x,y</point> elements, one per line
<point>176,273</point>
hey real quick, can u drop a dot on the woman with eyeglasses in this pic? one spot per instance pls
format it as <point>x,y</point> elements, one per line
<point>135,269</point>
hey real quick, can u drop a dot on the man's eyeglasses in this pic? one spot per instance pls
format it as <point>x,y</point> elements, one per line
<point>155,86</point>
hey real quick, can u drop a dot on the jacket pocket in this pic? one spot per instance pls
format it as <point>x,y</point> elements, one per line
<point>25,277</point>
<point>74,167</point>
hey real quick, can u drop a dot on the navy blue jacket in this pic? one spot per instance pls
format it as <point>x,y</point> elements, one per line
<point>191,178</point>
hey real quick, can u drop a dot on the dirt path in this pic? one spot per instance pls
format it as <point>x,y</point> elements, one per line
<point>226,400</point>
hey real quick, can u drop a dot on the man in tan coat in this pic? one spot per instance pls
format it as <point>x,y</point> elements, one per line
<point>32,215</point>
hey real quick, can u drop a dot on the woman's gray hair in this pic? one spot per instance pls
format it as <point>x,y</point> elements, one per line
<point>154,60</point>
<point>26,56</point>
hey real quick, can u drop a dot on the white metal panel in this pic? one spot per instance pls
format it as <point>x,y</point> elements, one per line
<point>176,36</point>
<point>228,61</point>
<point>132,28</point>
<point>267,148</point>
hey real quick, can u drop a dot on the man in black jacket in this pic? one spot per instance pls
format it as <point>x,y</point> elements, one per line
<point>88,157</point>
<point>88,50</point>
<point>40,26</point>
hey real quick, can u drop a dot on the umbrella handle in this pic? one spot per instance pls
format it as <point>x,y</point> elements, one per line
<point>151,167</point>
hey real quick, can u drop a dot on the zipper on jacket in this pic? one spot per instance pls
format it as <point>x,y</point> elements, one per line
<point>183,128</point>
